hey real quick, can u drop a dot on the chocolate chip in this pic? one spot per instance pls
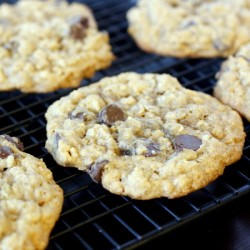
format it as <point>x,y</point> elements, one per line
<point>110,114</point>
<point>219,45</point>
<point>244,57</point>
<point>57,139</point>
<point>124,151</point>
<point>77,116</point>
<point>4,22</point>
<point>18,144</point>
<point>189,24</point>
<point>95,170</point>
<point>174,4</point>
<point>153,149</point>
<point>58,2</point>
<point>5,152</point>
<point>78,26</point>
<point>187,141</point>
<point>11,46</point>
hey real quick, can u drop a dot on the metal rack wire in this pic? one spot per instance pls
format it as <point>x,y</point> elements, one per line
<point>93,218</point>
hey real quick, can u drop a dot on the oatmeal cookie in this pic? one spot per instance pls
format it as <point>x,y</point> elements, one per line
<point>48,45</point>
<point>233,82</point>
<point>194,28</point>
<point>144,135</point>
<point>30,200</point>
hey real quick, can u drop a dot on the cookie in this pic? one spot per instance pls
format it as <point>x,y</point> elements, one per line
<point>194,28</point>
<point>233,82</point>
<point>49,45</point>
<point>30,200</point>
<point>144,135</point>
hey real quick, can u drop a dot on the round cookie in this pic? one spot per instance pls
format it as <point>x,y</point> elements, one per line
<point>48,45</point>
<point>194,28</point>
<point>30,200</point>
<point>233,82</point>
<point>144,135</point>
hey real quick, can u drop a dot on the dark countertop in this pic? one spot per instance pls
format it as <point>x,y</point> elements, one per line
<point>226,228</point>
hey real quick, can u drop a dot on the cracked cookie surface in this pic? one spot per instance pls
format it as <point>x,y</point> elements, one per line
<point>30,200</point>
<point>233,82</point>
<point>194,28</point>
<point>144,135</point>
<point>49,45</point>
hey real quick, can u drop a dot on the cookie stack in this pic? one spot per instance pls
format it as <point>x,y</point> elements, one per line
<point>140,135</point>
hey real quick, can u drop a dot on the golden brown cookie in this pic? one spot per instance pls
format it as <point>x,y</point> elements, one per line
<point>30,200</point>
<point>48,45</point>
<point>193,28</point>
<point>233,82</point>
<point>144,135</point>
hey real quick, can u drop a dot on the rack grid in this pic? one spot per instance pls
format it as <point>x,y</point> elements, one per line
<point>93,218</point>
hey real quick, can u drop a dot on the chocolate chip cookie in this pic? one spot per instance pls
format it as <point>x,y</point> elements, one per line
<point>233,82</point>
<point>194,28</point>
<point>30,200</point>
<point>48,45</point>
<point>144,135</point>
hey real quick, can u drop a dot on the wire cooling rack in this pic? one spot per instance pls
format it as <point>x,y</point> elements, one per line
<point>93,218</point>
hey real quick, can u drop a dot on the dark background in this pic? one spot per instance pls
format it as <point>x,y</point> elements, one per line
<point>226,228</point>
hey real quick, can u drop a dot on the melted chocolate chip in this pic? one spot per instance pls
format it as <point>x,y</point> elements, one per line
<point>187,141</point>
<point>110,114</point>
<point>78,26</point>
<point>95,170</point>
<point>77,116</point>
<point>5,152</point>
<point>153,149</point>
<point>18,144</point>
